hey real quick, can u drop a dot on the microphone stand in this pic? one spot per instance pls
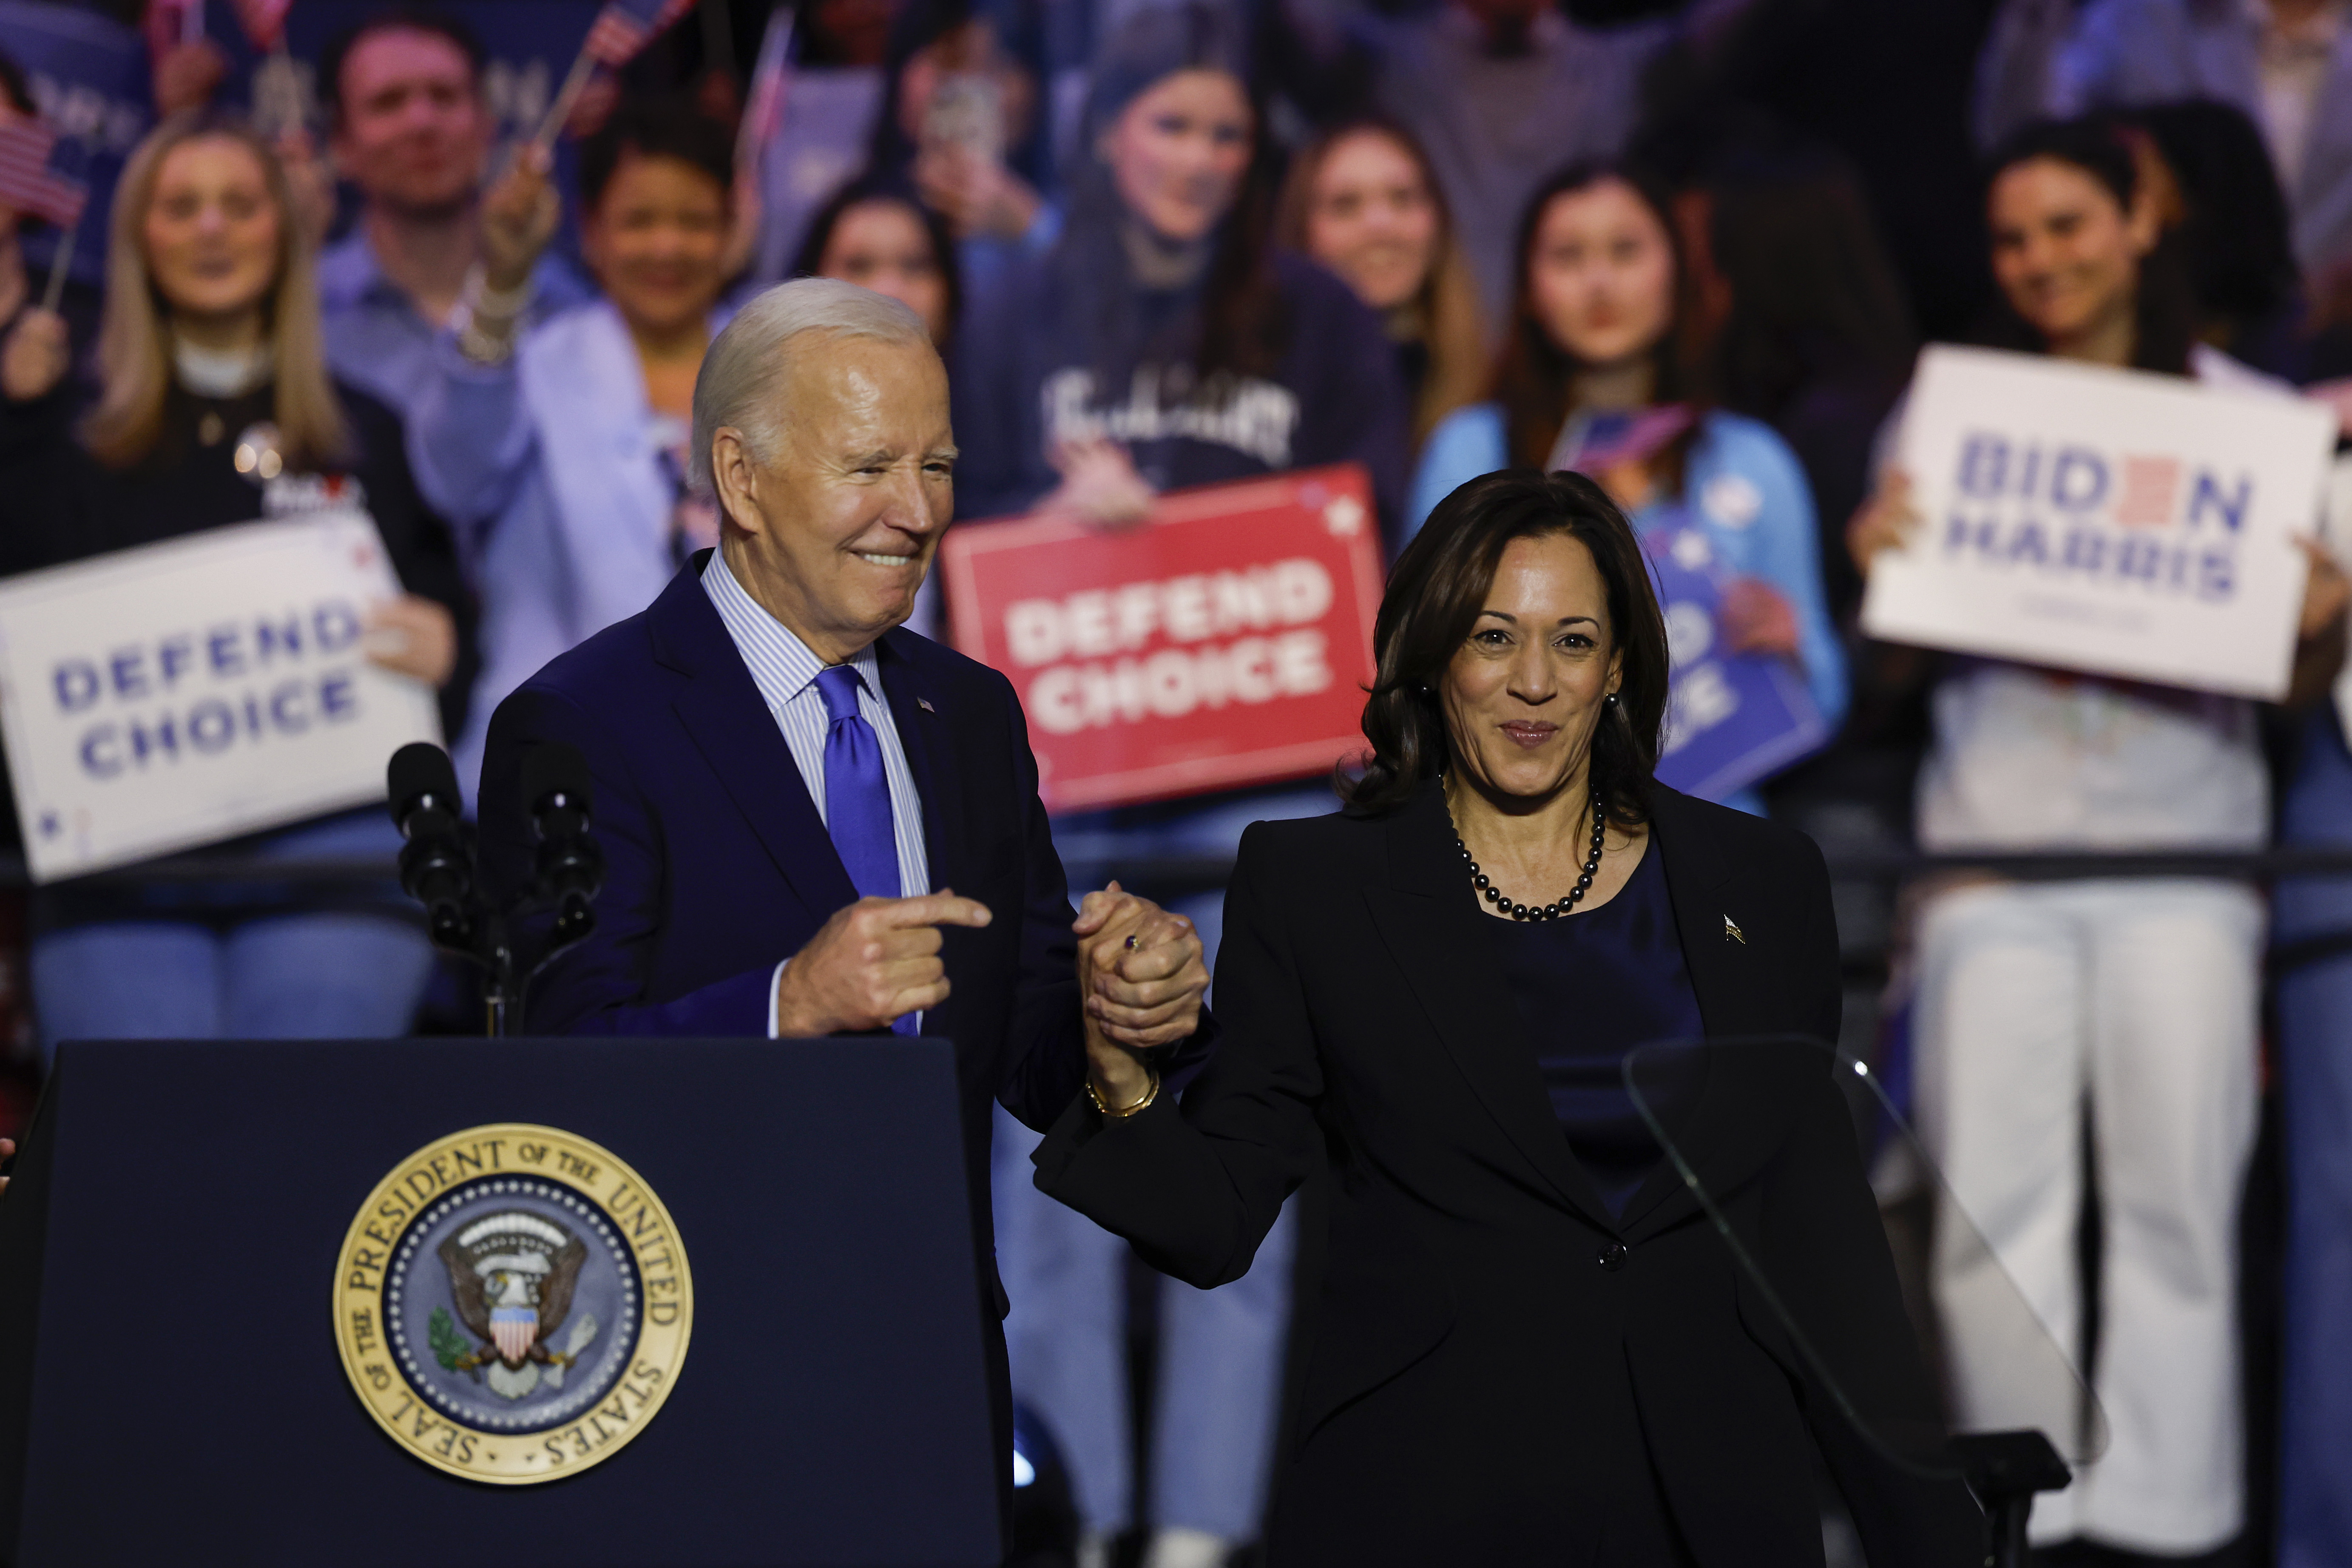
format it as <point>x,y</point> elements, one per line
<point>568,875</point>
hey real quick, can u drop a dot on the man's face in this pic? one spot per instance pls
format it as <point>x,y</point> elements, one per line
<point>413,131</point>
<point>847,512</point>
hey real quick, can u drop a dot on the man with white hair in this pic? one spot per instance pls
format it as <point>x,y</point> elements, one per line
<point>815,822</point>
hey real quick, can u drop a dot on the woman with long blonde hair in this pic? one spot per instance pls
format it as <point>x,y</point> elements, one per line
<point>1363,200</point>
<point>212,405</point>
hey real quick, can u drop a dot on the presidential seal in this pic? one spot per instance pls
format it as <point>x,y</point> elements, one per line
<point>512,1304</point>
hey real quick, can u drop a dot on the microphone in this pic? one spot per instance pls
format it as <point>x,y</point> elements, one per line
<point>435,868</point>
<point>570,869</point>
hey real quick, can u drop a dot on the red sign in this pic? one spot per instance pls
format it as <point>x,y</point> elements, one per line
<point>1226,642</point>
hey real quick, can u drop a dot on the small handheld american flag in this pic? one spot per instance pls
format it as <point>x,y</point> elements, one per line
<point>29,184</point>
<point>623,28</point>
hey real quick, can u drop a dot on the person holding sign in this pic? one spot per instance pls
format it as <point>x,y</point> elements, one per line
<point>791,789</point>
<point>1601,351</point>
<point>215,406</point>
<point>1165,341</point>
<point>1527,1346</point>
<point>2143,996</point>
<point>560,451</point>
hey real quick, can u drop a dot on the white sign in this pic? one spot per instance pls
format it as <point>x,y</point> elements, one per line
<point>2116,522</point>
<point>175,695</point>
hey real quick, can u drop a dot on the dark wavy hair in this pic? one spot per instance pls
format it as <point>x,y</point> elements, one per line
<point>2164,308</point>
<point>1439,585</point>
<point>1535,378</point>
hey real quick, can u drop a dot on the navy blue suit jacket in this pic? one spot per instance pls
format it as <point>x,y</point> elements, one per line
<point>717,864</point>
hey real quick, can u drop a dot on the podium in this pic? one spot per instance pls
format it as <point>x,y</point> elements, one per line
<point>173,1385</point>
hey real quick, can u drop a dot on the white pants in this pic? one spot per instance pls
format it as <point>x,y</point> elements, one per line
<point>2144,995</point>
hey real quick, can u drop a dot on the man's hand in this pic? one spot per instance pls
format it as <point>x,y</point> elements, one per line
<point>7,1151</point>
<point>872,962</point>
<point>1140,980</point>
<point>518,217</point>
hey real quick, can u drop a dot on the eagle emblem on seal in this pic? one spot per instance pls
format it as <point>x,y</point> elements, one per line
<point>512,1276</point>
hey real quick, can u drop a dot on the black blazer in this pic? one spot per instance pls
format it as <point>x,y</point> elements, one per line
<point>1493,1349</point>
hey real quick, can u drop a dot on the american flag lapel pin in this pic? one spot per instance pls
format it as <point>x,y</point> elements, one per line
<point>1731,932</point>
<point>925,704</point>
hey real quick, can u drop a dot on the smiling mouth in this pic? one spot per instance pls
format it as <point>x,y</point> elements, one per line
<point>880,560</point>
<point>1531,734</point>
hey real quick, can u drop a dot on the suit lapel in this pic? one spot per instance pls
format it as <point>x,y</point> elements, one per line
<point>730,725</point>
<point>1733,1104</point>
<point>1444,948</point>
<point>925,737</point>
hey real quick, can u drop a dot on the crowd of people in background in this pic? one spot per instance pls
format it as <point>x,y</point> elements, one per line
<point>1167,243</point>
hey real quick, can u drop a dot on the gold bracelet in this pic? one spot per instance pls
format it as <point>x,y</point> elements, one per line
<point>1151,1093</point>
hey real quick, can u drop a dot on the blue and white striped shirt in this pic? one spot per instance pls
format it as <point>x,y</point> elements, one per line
<point>785,672</point>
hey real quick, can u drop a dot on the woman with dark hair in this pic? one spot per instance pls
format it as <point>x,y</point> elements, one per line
<point>1165,340</point>
<point>1530,1347</point>
<point>2141,998</point>
<point>1363,199</point>
<point>876,232</point>
<point>1604,370</point>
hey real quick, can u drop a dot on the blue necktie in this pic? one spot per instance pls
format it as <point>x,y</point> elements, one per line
<point>857,795</point>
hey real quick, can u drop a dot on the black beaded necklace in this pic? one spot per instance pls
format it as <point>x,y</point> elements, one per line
<point>1549,911</point>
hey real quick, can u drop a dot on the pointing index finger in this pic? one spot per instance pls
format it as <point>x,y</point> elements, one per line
<point>940,908</point>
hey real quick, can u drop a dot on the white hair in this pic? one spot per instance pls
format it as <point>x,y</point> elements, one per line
<point>746,363</point>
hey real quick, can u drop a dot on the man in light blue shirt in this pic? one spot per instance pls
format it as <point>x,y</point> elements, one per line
<point>411,126</point>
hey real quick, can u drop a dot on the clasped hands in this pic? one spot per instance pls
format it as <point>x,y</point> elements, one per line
<point>1141,975</point>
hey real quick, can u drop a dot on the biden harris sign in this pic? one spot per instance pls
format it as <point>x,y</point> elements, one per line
<point>2112,522</point>
<point>158,699</point>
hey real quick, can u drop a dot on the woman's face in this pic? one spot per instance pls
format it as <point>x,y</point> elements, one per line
<point>2064,251</point>
<point>1371,219</point>
<point>211,228</point>
<point>881,244</point>
<point>1600,275</point>
<point>1177,152</point>
<point>654,241</point>
<point>1527,689</point>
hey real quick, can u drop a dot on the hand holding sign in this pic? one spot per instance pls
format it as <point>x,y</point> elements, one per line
<point>2114,521</point>
<point>414,636</point>
<point>870,964</point>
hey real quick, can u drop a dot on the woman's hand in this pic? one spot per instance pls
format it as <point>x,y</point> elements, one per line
<point>1756,617</point>
<point>976,194</point>
<point>2325,592</point>
<point>412,636</point>
<point>35,355</point>
<point>518,217</point>
<point>1140,980</point>
<point>1100,484</point>
<point>1887,520</point>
